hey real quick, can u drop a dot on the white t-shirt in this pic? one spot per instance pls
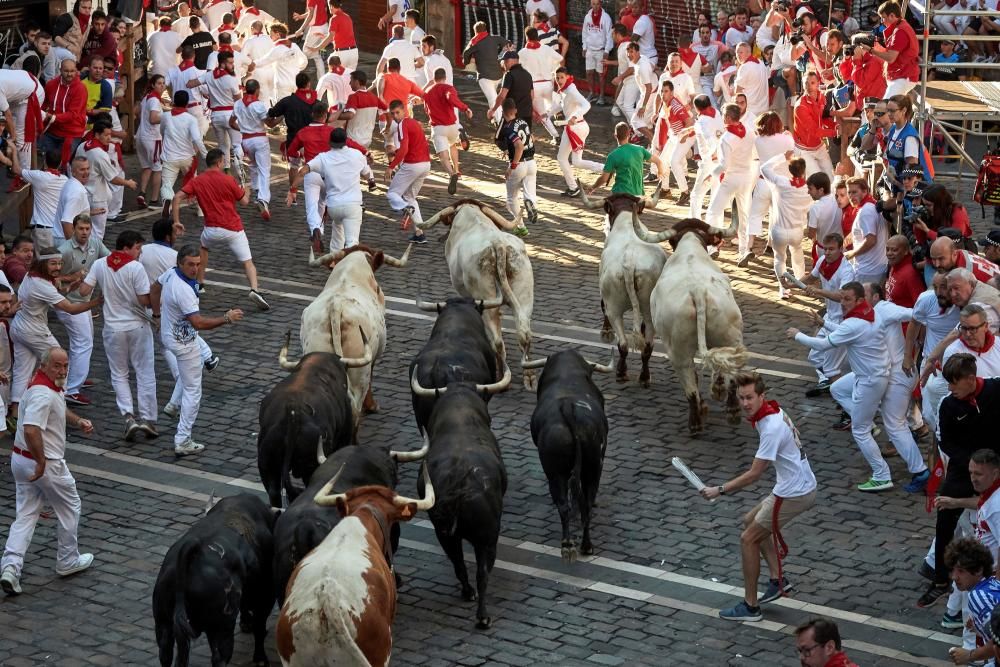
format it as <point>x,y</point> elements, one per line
<point>825,217</point>
<point>734,36</point>
<point>864,342</point>
<point>890,318</point>
<point>103,169</point>
<point>751,79</point>
<point>36,295</point>
<point>707,130</point>
<point>791,202</point>
<point>178,300</point>
<point>532,6</point>
<point>243,26</point>
<point>540,63</point>
<point>120,289</point>
<point>843,275</point>
<point>163,46</point>
<point>257,47</point>
<point>643,73</point>
<point>768,147</point>
<point>73,200</point>
<point>240,60</point>
<point>987,363</point>
<point>178,78</point>
<point>46,409</point>
<point>215,12</point>
<point>45,189</point>
<point>407,54</point>
<point>181,137</point>
<point>340,169</point>
<point>432,63</point>
<point>250,119</point>
<point>182,27</point>
<point>16,86</point>
<point>723,83</point>
<point>623,62</point>
<point>223,91</point>
<point>148,130</point>
<point>336,88</point>
<point>873,261</point>
<point>414,36</point>
<point>156,259</point>
<point>780,443</point>
<point>937,324</point>
<point>647,38</point>
<point>988,524</point>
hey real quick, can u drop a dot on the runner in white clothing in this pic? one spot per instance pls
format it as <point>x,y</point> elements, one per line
<point>752,80</point>
<point>934,317</point>
<point>178,79</point>
<point>46,186</point>
<point>825,215</point>
<point>21,97</point>
<point>73,200</point>
<point>128,336</point>
<point>223,89</point>
<point>181,144</point>
<point>785,173</point>
<point>104,172</point>
<point>250,15</point>
<point>248,119</point>
<point>163,45</point>
<point>734,172</point>
<point>708,129</point>
<point>277,69</point>
<point>540,62</point>
<point>870,233</point>
<point>645,79</point>
<point>574,107</point>
<point>596,42</point>
<point>334,87</point>
<point>149,142</point>
<point>770,140</point>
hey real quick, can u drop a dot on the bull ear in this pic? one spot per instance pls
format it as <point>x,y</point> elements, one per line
<point>342,506</point>
<point>376,260</point>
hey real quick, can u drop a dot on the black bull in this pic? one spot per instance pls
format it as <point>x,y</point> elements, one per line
<point>220,568</point>
<point>307,412</point>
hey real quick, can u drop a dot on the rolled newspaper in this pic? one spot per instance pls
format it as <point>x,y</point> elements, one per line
<point>683,468</point>
<point>790,277</point>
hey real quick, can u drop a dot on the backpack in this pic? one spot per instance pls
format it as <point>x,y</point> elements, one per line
<point>987,190</point>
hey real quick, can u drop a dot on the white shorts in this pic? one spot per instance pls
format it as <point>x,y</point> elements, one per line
<point>593,60</point>
<point>314,38</point>
<point>148,152</point>
<point>213,238</point>
<point>899,87</point>
<point>444,136</point>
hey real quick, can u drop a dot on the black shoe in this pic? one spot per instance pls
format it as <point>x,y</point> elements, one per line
<point>213,363</point>
<point>844,424</point>
<point>529,206</point>
<point>684,199</point>
<point>933,593</point>
<point>463,137</point>
<point>820,389</point>
<point>651,178</point>
<point>926,571</point>
<point>745,260</point>
<point>571,192</point>
<point>768,250</point>
<point>418,239</point>
<point>453,184</point>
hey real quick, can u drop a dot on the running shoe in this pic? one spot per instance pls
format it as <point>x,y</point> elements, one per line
<point>844,424</point>
<point>952,622</point>
<point>453,184</point>
<point>463,138</point>
<point>187,447</point>
<point>918,483</point>
<point>418,239</point>
<point>407,219</point>
<point>926,570</point>
<point>742,612</point>
<point>875,485</point>
<point>265,212</point>
<point>773,592</point>
<point>81,564</point>
<point>744,261</point>
<point>520,231</point>
<point>149,428</point>
<point>684,199</point>
<point>532,211</point>
<point>140,201</point>
<point>212,363</point>
<point>316,239</point>
<point>78,399</point>
<point>256,297</point>
<point>933,593</point>
<point>821,387</point>
<point>571,192</point>
<point>131,428</point>
<point>9,581</point>
<point>171,410</point>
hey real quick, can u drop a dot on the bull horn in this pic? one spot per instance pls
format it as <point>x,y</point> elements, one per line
<point>406,457</point>
<point>534,363</point>
<point>320,454</point>
<point>421,391</point>
<point>655,199</point>
<point>726,233</point>
<point>211,502</point>
<point>431,306</point>
<point>283,354</point>
<point>401,262</point>
<point>355,362</point>
<point>604,368</point>
<point>496,387</point>
<point>498,219</point>
<point>587,201</point>
<point>495,302</point>
<point>325,260</point>
<point>427,502</point>
<point>643,233</point>
<point>324,498</point>
<point>427,224</point>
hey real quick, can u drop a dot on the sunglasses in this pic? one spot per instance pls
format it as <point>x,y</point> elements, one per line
<point>879,114</point>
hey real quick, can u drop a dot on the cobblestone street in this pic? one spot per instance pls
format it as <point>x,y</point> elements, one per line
<point>665,560</point>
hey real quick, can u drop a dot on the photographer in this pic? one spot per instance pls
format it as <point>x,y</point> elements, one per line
<point>942,211</point>
<point>900,51</point>
<point>773,28</point>
<point>867,72</point>
<point>811,129</point>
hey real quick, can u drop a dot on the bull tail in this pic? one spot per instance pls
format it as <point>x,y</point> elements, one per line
<point>635,338</point>
<point>183,632</point>
<point>335,318</point>
<point>293,427</point>
<point>724,361</point>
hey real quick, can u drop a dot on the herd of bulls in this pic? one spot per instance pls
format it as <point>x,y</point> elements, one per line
<point>326,557</point>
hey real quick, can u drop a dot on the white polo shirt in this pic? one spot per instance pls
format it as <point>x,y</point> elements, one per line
<point>751,79</point>
<point>825,217</point>
<point>46,187</point>
<point>73,200</point>
<point>148,130</point>
<point>340,168</point>
<point>103,168</point>
<point>178,78</point>
<point>540,63</point>
<point>42,407</point>
<point>121,290</point>
<point>407,53</point>
<point>223,91</point>
<point>647,38</point>
<point>779,443</point>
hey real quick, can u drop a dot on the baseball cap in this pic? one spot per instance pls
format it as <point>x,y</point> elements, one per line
<point>509,55</point>
<point>948,41</point>
<point>338,137</point>
<point>838,6</point>
<point>993,239</point>
<point>911,173</point>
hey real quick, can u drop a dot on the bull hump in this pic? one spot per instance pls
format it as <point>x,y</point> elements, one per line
<point>243,526</point>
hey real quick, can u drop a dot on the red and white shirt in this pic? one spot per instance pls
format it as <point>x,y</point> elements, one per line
<point>223,89</point>
<point>366,107</point>
<point>988,520</point>
<point>982,268</point>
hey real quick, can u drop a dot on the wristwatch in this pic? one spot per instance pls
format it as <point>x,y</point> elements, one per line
<point>722,490</point>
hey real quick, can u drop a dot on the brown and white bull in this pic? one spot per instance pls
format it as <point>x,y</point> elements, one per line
<point>351,302</point>
<point>341,598</point>
<point>629,270</point>
<point>481,256</point>
<point>695,314</point>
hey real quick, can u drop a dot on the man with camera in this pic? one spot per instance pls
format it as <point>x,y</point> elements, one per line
<point>900,51</point>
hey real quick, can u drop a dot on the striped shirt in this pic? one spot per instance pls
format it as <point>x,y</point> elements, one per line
<point>982,598</point>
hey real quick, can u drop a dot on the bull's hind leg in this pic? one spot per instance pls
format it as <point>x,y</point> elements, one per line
<point>606,333</point>
<point>697,408</point>
<point>165,641</point>
<point>485,557</point>
<point>647,352</point>
<point>369,406</point>
<point>453,549</point>
<point>732,404</point>
<point>221,644</point>
<point>559,490</point>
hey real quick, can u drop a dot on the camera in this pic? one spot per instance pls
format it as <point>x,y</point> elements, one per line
<point>849,51</point>
<point>781,6</point>
<point>863,39</point>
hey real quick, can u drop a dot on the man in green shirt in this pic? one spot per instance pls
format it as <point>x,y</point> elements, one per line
<point>626,163</point>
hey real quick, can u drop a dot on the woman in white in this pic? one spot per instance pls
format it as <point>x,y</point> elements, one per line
<point>574,107</point>
<point>150,141</point>
<point>772,139</point>
<point>29,330</point>
<point>787,176</point>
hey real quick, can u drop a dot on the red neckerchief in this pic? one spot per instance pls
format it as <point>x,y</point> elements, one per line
<point>226,27</point>
<point>119,258</point>
<point>827,269</point>
<point>533,45</point>
<point>307,95</point>
<point>751,59</point>
<point>595,15</point>
<point>55,172</point>
<point>996,485</point>
<point>478,37</point>
<point>33,116</point>
<point>987,344</point>
<point>625,11</point>
<point>93,143</point>
<point>543,27</point>
<point>675,72</point>
<point>283,42</point>
<point>569,82</point>
<point>45,381</point>
<point>867,200</point>
<point>177,111</point>
<point>797,182</point>
<point>971,400</point>
<point>84,20</point>
<point>249,99</point>
<point>689,56</point>
<point>338,70</point>
<point>218,73</point>
<point>165,28</point>
<point>737,128</point>
<point>152,94</point>
<point>252,10</point>
<point>862,311</point>
<point>766,410</point>
<point>185,64</point>
<point>840,659</point>
<point>710,112</point>
<point>225,48</point>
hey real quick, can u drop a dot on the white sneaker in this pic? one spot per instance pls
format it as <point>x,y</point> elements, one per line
<point>256,297</point>
<point>171,410</point>
<point>615,112</point>
<point>189,446</point>
<point>9,581</point>
<point>82,563</point>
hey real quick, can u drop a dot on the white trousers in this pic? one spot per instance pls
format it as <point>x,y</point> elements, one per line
<point>569,158</point>
<point>521,180</point>
<point>816,160</point>
<point>738,186</point>
<point>703,183</point>
<point>28,350</point>
<point>628,98</point>
<point>117,196</point>
<point>760,205</point>
<point>784,239</point>
<point>186,366</point>
<point>99,221</point>
<point>898,87</point>
<point>20,111</point>
<point>931,396</point>
<point>227,138</point>
<point>80,328</point>
<point>57,488</point>
<point>258,152</point>
<point>345,225</point>
<point>132,348</point>
<point>348,59</point>
<point>677,152</point>
<point>177,393</point>
<point>172,170</point>
<point>405,186</point>
<point>895,405</point>
<point>489,88</point>
<point>830,362</point>
<point>861,399</point>
<point>542,103</point>
<point>315,195</point>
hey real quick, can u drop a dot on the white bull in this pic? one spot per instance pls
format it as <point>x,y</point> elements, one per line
<point>350,306</point>
<point>695,313</point>
<point>480,258</point>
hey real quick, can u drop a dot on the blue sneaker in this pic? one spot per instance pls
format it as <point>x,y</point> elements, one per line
<point>418,239</point>
<point>773,592</point>
<point>742,612</point>
<point>918,483</point>
<point>950,622</point>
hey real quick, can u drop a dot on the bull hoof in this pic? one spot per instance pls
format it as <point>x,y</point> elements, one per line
<point>484,623</point>
<point>569,553</point>
<point>399,580</point>
<point>621,377</point>
<point>587,549</point>
<point>370,408</point>
<point>529,380</point>
<point>644,382</point>
<point>468,593</point>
